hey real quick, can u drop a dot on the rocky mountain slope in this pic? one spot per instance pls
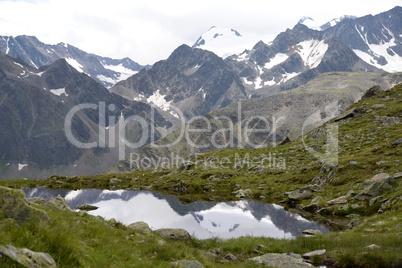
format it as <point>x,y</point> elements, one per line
<point>193,80</point>
<point>37,54</point>
<point>294,57</point>
<point>375,39</point>
<point>260,122</point>
<point>34,107</point>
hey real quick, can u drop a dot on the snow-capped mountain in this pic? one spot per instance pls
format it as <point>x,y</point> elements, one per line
<point>317,25</point>
<point>224,42</point>
<point>37,54</point>
<point>375,39</point>
<point>196,81</point>
<point>335,21</point>
<point>294,57</point>
<point>309,22</point>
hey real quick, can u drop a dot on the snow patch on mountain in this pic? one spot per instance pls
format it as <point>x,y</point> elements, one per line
<point>277,59</point>
<point>384,49</point>
<point>74,63</point>
<point>59,92</point>
<point>159,100</point>
<point>21,166</point>
<point>312,52</point>
<point>124,72</point>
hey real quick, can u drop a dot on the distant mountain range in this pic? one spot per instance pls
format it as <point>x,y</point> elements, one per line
<point>40,84</point>
<point>37,54</point>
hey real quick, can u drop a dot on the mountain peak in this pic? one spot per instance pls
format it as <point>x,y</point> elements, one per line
<point>309,22</point>
<point>216,33</point>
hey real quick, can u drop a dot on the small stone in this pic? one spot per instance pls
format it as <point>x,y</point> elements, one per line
<point>397,175</point>
<point>319,252</point>
<point>114,181</point>
<point>299,195</point>
<point>378,106</point>
<point>312,232</point>
<point>243,193</point>
<point>373,201</point>
<point>337,201</point>
<point>230,257</point>
<point>353,163</point>
<point>350,194</point>
<point>316,199</point>
<point>86,207</point>
<point>187,264</point>
<point>369,230</point>
<point>397,142</point>
<point>373,246</point>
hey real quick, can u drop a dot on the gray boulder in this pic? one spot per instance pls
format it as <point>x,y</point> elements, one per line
<point>303,193</point>
<point>14,205</point>
<point>27,257</point>
<point>281,260</point>
<point>376,186</point>
<point>174,234</point>
<point>337,201</point>
<point>140,226</point>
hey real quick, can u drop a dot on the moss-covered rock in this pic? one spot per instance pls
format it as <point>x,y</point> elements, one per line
<point>14,205</point>
<point>140,226</point>
<point>174,234</point>
<point>280,260</point>
<point>27,257</point>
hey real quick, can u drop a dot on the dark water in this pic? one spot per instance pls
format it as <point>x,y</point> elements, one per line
<point>201,219</point>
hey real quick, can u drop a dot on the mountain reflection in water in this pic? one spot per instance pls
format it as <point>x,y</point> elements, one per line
<point>201,219</point>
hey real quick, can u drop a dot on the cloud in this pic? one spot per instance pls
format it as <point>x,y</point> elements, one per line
<point>147,31</point>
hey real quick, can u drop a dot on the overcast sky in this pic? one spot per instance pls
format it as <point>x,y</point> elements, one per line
<point>149,30</point>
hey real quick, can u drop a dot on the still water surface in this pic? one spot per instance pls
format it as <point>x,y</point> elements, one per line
<point>201,219</point>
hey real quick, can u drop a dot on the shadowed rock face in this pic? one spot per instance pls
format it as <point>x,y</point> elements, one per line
<point>14,205</point>
<point>34,104</point>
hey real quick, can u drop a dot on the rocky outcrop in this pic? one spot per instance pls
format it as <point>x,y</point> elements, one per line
<point>14,205</point>
<point>280,260</point>
<point>375,186</point>
<point>174,234</point>
<point>28,258</point>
